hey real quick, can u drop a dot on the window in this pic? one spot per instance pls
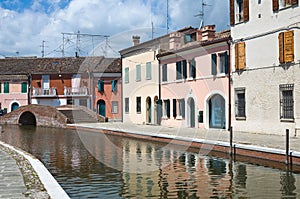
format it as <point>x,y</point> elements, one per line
<point>213,64</point>
<point>6,87</point>
<point>174,108</point>
<point>167,108</point>
<point>100,86</point>
<point>280,4</point>
<point>240,56</point>
<point>126,75</point>
<point>286,101</point>
<point>192,69</point>
<point>24,87</point>
<point>0,87</point>
<point>181,70</point>
<point>239,11</point>
<point>240,103</point>
<point>148,70</point>
<point>138,72</point>
<point>138,105</point>
<point>114,107</point>
<point>286,46</point>
<point>181,108</point>
<point>114,85</point>
<point>164,73</point>
<point>224,63</point>
<point>126,105</point>
<point>190,38</point>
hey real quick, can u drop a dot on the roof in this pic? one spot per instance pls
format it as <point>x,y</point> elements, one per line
<point>63,65</point>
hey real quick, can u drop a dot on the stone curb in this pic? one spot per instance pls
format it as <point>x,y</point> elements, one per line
<point>54,190</point>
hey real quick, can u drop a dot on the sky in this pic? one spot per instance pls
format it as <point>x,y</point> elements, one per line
<point>96,27</point>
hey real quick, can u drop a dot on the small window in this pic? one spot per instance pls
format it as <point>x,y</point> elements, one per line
<point>192,69</point>
<point>6,87</point>
<point>138,72</point>
<point>181,70</point>
<point>164,73</point>
<point>167,111</point>
<point>100,86</point>
<point>138,105</point>
<point>181,108</point>
<point>286,101</point>
<point>223,63</point>
<point>24,87</point>
<point>148,70</point>
<point>126,105</point>
<point>114,85</point>
<point>127,75</point>
<point>240,103</point>
<point>114,107</point>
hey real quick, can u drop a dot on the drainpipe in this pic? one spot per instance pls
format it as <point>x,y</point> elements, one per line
<point>229,82</point>
<point>29,89</point>
<point>122,90</point>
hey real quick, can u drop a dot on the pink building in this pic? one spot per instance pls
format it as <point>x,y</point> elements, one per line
<point>194,78</point>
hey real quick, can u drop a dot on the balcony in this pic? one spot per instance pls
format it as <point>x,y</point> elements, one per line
<point>39,92</point>
<point>71,91</point>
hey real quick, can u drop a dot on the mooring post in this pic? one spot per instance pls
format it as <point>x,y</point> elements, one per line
<point>287,145</point>
<point>230,140</point>
<point>291,160</point>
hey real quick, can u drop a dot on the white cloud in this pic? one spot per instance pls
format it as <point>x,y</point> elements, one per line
<point>24,31</point>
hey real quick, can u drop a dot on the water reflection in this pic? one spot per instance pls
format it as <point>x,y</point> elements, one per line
<point>96,165</point>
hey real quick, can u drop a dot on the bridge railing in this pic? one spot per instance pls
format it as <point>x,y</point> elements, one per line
<point>44,92</point>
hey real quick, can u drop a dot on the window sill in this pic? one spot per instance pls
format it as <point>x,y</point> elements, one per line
<point>179,118</point>
<point>164,118</point>
<point>191,79</point>
<point>240,118</point>
<point>138,112</point>
<point>287,120</point>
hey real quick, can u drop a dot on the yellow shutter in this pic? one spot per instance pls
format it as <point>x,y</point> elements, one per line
<point>236,51</point>
<point>240,56</point>
<point>289,46</point>
<point>281,49</point>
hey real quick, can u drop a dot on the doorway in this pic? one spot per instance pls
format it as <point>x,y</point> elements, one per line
<point>148,110</point>
<point>101,108</point>
<point>217,112</point>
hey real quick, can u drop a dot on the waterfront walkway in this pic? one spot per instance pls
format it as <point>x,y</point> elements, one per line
<point>12,183</point>
<point>252,141</point>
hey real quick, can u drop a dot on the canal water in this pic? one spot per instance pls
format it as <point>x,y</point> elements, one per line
<point>96,165</point>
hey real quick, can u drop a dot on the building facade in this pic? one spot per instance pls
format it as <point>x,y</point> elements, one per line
<point>265,65</point>
<point>194,79</point>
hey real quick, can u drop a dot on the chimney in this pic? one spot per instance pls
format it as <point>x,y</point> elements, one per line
<point>175,41</point>
<point>136,40</point>
<point>208,32</point>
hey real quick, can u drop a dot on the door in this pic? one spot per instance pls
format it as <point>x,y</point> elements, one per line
<point>14,106</point>
<point>217,112</point>
<point>191,112</point>
<point>148,107</point>
<point>101,108</point>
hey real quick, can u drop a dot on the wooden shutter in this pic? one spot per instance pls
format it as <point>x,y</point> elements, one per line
<point>213,64</point>
<point>281,47</point>
<point>275,5</point>
<point>294,2</point>
<point>240,56</point>
<point>232,14</point>
<point>174,108</point>
<point>246,10</point>
<point>289,46</point>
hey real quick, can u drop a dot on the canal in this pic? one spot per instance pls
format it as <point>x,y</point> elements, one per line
<point>96,165</point>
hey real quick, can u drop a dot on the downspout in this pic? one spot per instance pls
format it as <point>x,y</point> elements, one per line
<point>29,89</point>
<point>229,82</point>
<point>122,90</point>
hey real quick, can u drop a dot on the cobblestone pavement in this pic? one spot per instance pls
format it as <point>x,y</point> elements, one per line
<point>11,180</point>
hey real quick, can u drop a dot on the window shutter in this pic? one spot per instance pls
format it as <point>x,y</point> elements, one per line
<point>294,2</point>
<point>213,64</point>
<point>178,70</point>
<point>232,14</point>
<point>114,85</point>
<point>174,108</point>
<point>168,108</point>
<point>100,86</point>
<point>192,64</point>
<point>246,10</point>
<point>6,87</point>
<point>164,73</point>
<point>183,107</point>
<point>184,69</point>
<point>226,62</point>
<point>281,47</point>
<point>275,5</point>
<point>126,75</point>
<point>289,46</point>
<point>24,87</point>
<point>138,72</point>
<point>148,70</point>
<point>240,55</point>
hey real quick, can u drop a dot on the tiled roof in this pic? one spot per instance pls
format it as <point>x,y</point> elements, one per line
<point>65,65</point>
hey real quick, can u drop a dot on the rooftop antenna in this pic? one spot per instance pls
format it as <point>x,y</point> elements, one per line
<point>43,48</point>
<point>167,16</point>
<point>202,13</point>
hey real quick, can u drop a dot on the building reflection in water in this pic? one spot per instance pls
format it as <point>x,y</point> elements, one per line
<point>101,165</point>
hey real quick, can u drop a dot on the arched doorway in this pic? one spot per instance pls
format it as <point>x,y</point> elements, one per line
<point>148,110</point>
<point>27,118</point>
<point>191,112</point>
<point>155,121</point>
<point>14,106</point>
<point>217,112</point>
<point>101,108</point>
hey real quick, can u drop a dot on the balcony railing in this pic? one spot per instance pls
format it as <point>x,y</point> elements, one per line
<point>71,91</point>
<point>44,92</point>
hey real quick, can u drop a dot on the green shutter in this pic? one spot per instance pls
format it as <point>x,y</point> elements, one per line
<point>114,85</point>
<point>184,69</point>
<point>213,64</point>
<point>138,72</point>
<point>148,70</point>
<point>164,73</point>
<point>6,87</point>
<point>226,63</point>
<point>24,87</point>
<point>178,70</point>
<point>100,86</point>
<point>126,75</point>
<point>174,108</point>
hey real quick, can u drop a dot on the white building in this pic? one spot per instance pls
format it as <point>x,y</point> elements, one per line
<point>265,60</point>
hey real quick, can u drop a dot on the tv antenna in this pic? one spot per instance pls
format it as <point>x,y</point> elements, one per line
<point>202,14</point>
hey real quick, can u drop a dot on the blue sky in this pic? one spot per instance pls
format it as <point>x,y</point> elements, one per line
<point>24,24</point>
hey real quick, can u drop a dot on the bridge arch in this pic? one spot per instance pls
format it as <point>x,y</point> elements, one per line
<point>27,118</point>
